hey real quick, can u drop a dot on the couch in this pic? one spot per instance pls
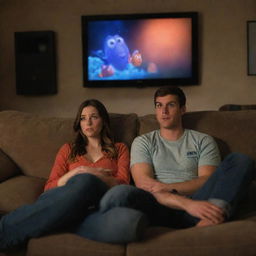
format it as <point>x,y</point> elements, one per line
<point>29,143</point>
<point>236,107</point>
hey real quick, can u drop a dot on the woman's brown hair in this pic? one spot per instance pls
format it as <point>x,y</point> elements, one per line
<point>78,147</point>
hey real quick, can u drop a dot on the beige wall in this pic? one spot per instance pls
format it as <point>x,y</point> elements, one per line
<point>222,41</point>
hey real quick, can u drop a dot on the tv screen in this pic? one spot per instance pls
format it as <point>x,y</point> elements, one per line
<point>140,50</point>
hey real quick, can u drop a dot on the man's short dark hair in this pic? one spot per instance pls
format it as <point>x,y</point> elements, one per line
<point>173,90</point>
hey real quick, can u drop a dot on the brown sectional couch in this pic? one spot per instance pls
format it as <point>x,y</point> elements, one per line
<point>29,143</point>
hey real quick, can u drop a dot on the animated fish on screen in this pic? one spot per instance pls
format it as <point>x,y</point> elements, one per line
<point>115,61</point>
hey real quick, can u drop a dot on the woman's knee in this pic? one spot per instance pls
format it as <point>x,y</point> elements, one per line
<point>86,183</point>
<point>118,225</point>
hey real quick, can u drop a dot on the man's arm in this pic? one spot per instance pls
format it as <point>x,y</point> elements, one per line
<point>143,177</point>
<point>142,174</point>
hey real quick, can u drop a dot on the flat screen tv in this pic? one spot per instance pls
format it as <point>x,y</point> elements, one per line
<point>140,49</point>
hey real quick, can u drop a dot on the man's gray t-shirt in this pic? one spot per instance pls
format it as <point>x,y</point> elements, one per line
<point>175,161</point>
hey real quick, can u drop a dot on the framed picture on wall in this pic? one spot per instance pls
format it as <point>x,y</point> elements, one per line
<point>251,47</point>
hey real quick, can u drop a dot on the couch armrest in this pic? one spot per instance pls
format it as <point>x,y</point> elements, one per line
<point>7,167</point>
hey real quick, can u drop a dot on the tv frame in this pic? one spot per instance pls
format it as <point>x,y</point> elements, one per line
<point>151,82</point>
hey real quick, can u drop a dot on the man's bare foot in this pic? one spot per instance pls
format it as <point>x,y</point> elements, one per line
<point>206,223</point>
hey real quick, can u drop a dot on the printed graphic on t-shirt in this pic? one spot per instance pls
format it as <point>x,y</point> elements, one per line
<point>191,154</point>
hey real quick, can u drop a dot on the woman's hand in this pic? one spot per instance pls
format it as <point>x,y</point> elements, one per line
<point>92,170</point>
<point>101,173</point>
<point>104,174</point>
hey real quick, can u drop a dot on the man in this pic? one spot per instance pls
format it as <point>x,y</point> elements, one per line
<point>180,180</point>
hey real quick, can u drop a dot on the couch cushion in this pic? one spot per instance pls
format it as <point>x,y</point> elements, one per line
<point>18,191</point>
<point>148,123</point>
<point>7,167</point>
<point>233,238</point>
<point>32,141</point>
<point>124,127</point>
<point>234,131</point>
<point>69,244</point>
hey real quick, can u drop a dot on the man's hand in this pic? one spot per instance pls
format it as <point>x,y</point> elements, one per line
<point>205,211</point>
<point>208,213</point>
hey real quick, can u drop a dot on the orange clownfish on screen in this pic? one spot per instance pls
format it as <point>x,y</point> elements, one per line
<point>152,67</point>
<point>106,70</point>
<point>136,58</point>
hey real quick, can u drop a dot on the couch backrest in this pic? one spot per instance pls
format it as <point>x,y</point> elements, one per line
<point>32,141</point>
<point>234,131</point>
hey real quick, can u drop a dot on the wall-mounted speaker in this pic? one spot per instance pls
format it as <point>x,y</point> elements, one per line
<point>35,63</point>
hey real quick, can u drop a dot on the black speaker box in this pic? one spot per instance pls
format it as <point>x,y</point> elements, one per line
<point>35,63</point>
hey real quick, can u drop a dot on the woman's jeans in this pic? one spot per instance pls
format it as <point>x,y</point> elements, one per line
<point>225,188</point>
<point>74,208</point>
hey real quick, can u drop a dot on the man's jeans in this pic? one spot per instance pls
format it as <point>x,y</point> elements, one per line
<point>225,188</point>
<point>74,208</point>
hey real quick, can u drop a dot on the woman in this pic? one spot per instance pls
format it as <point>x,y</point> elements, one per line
<point>93,150</point>
<point>82,174</point>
